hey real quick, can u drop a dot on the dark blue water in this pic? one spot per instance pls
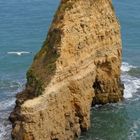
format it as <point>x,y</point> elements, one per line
<point>23,27</point>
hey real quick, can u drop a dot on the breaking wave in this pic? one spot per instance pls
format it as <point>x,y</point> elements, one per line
<point>131,83</point>
<point>8,89</point>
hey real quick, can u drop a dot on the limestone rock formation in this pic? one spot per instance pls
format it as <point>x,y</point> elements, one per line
<point>78,66</point>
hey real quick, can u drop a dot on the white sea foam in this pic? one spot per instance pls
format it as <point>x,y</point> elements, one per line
<point>19,53</point>
<point>132,84</point>
<point>133,132</point>
<point>126,67</point>
<point>5,109</point>
<point>5,126</point>
<point>4,130</point>
<point>6,104</point>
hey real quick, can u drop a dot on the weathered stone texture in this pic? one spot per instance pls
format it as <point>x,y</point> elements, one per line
<point>78,66</point>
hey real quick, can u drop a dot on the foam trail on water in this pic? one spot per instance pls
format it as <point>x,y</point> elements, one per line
<point>132,84</point>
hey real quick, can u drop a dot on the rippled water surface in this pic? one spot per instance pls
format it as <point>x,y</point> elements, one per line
<point>23,27</point>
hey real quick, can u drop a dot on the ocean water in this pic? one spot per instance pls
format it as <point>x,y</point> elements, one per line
<point>23,27</point>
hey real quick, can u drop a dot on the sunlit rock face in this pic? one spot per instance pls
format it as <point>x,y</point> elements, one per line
<point>77,67</point>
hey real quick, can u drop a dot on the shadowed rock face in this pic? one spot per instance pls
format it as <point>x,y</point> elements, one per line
<point>77,67</point>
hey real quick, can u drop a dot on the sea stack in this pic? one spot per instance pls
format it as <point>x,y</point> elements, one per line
<point>78,66</point>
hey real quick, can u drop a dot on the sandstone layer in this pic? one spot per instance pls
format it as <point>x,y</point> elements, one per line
<point>78,66</point>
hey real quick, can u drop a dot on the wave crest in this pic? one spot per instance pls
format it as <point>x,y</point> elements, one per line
<point>131,83</point>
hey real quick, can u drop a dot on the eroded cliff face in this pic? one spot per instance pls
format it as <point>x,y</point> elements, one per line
<point>77,67</point>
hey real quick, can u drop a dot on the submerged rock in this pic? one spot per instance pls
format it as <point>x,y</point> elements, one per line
<point>77,67</point>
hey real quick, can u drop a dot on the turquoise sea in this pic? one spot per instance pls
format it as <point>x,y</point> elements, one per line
<point>23,27</point>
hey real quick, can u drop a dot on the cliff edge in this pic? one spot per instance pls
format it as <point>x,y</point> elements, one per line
<point>78,66</point>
